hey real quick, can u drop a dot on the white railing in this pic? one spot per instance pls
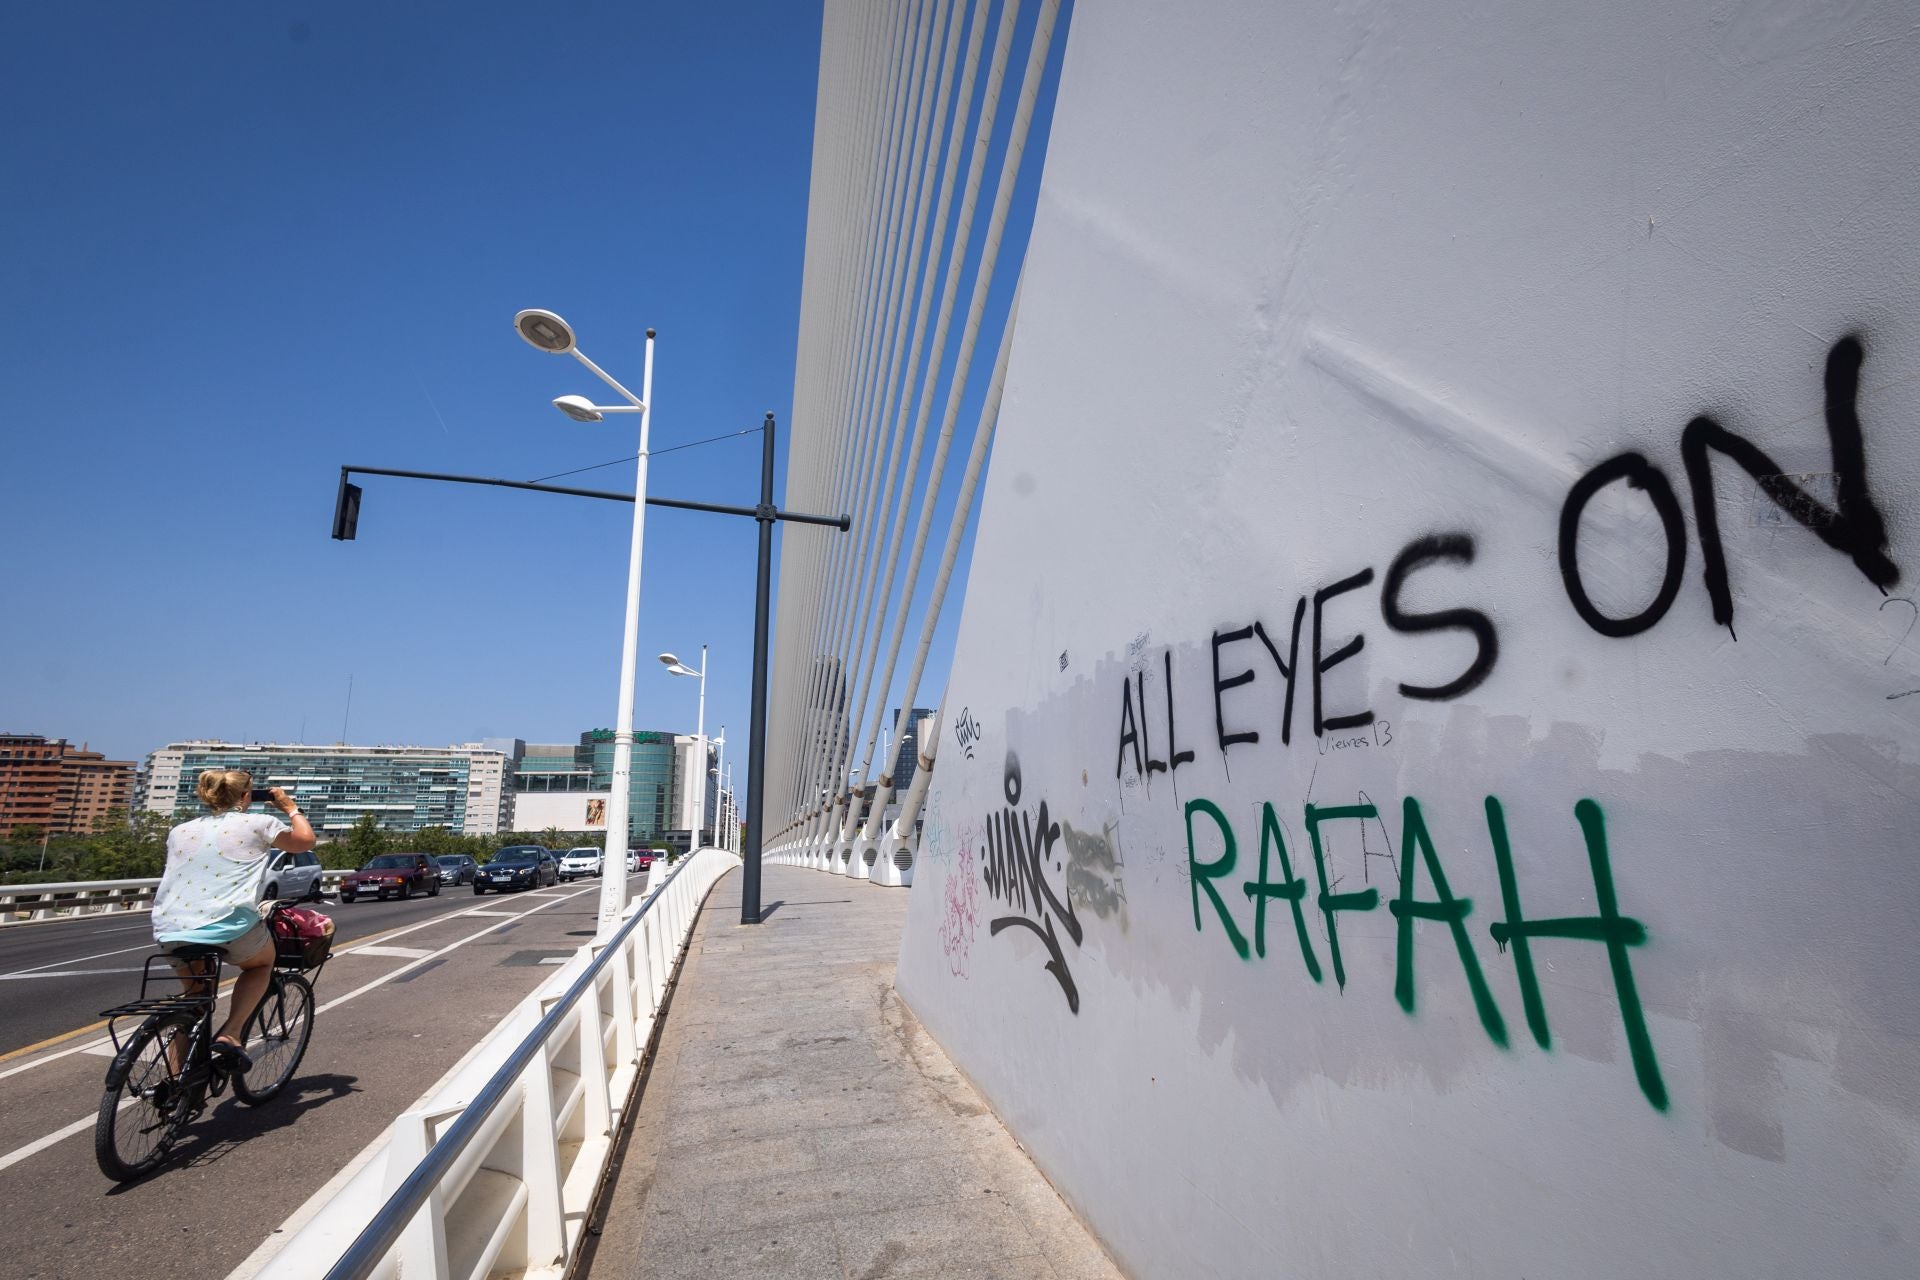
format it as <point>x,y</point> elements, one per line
<point>494,1171</point>
<point>20,903</point>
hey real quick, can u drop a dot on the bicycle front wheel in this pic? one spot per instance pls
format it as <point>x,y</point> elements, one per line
<point>144,1106</point>
<point>276,1038</point>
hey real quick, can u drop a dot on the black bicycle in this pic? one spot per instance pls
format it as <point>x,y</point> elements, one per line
<point>164,1072</point>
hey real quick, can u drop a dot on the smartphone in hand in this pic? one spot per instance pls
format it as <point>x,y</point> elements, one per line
<point>260,795</point>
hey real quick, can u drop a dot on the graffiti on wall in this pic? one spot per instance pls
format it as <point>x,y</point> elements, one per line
<point>1297,653</point>
<point>1270,680</point>
<point>960,913</point>
<point>1514,933</point>
<point>966,731</point>
<point>1018,870</point>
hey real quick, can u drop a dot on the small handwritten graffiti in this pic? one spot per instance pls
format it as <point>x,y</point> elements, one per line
<point>935,839</point>
<point>967,731</point>
<point>1019,847</point>
<point>960,914</point>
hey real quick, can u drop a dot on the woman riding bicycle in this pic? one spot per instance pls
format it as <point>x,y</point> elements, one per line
<point>209,893</point>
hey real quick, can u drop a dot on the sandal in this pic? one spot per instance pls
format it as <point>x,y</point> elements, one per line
<point>232,1055</point>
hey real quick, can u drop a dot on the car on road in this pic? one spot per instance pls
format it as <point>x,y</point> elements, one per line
<point>518,866</point>
<point>292,875</point>
<point>399,875</point>
<point>456,869</point>
<point>582,861</point>
<point>639,859</point>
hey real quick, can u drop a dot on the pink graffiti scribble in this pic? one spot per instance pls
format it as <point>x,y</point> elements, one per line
<point>961,916</point>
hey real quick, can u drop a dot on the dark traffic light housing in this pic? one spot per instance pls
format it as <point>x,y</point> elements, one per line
<point>346,509</point>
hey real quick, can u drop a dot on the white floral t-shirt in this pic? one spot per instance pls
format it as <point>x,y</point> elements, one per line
<point>211,886</point>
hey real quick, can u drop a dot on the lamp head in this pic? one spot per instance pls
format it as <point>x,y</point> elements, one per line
<point>579,408</point>
<point>676,667</point>
<point>544,330</point>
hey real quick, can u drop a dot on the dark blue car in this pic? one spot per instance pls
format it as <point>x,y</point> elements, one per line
<point>518,866</point>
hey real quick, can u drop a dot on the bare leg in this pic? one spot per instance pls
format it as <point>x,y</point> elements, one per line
<point>191,985</point>
<point>255,973</point>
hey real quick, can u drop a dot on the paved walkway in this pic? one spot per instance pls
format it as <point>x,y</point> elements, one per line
<point>799,1123</point>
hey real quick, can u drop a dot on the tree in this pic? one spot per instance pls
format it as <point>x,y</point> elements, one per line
<point>437,841</point>
<point>365,842</point>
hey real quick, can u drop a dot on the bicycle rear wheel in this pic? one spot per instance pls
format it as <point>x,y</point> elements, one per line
<point>144,1105</point>
<point>276,1038</point>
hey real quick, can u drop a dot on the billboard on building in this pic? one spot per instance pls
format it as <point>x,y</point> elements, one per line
<point>560,810</point>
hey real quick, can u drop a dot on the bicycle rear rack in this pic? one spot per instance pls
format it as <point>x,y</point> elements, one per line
<point>196,1005</point>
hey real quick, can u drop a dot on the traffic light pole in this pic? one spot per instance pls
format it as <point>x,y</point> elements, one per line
<point>346,523</point>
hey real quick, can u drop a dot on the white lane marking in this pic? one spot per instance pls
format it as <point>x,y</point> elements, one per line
<point>80,1126</point>
<point>555,959</point>
<point>41,1144</point>
<point>101,955</point>
<point>104,1049</point>
<point>478,912</point>
<point>65,973</point>
<point>455,945</point>
<point>404,953</point>
<point>91,1045</point>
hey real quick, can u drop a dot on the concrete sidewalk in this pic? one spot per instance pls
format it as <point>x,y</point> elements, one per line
<point>798,1122</point>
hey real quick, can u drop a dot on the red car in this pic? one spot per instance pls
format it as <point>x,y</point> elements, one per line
<point>399,874</point>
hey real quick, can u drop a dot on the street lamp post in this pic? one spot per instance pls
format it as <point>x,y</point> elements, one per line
<point>678,668</point>
<point>548,332</point>
<point>719,785</point>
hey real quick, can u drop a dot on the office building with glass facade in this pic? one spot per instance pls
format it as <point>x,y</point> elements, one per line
<point>556,784</point>
<point>467,788</point>
<point>906,756</point>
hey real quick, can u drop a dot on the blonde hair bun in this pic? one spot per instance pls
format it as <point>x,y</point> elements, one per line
<point>221,789</point>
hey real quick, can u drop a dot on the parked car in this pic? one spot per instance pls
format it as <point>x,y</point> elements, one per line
<point>456,869</point>
<point>639,859</point>
<point>518,866</point>
<point>583,861</point>
<point>292,875</point>
<point>400,874</point>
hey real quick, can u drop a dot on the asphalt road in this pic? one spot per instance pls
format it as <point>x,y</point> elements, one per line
<point>434,976</point>
<point>56,975</point>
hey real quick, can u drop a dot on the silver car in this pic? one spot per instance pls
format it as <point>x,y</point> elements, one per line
<point>292,875</point>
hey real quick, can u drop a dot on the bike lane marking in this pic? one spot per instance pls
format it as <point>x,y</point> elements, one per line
<point>78,1126</point>
<point>65,973</point>
<point>93,1046</point>
<point>38,1145</point>
<point>55,964</point>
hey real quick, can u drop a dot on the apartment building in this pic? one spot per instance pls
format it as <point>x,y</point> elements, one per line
<point>50,784</point>
<point>466,788</point>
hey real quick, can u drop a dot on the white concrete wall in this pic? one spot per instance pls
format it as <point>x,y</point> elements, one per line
<point>1316,292</point>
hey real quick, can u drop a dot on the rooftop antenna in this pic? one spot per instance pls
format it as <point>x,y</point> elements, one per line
<point>347,715</point>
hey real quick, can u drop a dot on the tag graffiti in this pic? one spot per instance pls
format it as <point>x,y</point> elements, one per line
<point>1020,846</point>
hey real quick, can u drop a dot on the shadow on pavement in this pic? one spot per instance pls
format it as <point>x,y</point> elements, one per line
<point>232,1123</point>
<point>771,907</point>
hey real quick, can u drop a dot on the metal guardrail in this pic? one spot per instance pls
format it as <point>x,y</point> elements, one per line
<point>494,1171</point>
<point>20,903</point>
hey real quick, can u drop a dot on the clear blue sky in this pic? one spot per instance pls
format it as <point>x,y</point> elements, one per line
<point>249,242</point>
